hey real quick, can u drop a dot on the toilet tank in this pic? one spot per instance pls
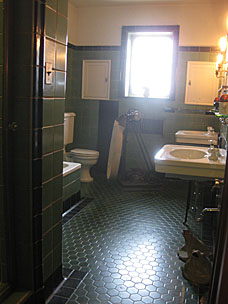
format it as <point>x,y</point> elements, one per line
<point>68,128</point>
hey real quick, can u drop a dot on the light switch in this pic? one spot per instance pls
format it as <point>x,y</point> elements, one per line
<point>48,73</point>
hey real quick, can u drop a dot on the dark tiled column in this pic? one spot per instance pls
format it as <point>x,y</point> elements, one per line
<point>3,263</point>
<point>52,152</point>
<point>37,35</point>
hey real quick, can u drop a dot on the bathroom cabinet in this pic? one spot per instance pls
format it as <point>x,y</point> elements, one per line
<point>96,79</point>
<point>201,83</point>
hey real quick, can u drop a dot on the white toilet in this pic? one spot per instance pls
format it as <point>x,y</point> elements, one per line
<point>87,158</point>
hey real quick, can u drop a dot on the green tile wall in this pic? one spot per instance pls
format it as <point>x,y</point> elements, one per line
<point>86,122</point>
<point>53,119</point>
<point>3,263</point>
<point>38,142</point>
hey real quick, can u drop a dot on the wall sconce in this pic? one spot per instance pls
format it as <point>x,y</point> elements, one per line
<point>222,73</point>
<point>222,59</point>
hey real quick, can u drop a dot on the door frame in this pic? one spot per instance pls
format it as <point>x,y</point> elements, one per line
<point>8,198</point>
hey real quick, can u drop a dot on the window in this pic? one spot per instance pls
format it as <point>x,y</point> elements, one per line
<point>150,61</point>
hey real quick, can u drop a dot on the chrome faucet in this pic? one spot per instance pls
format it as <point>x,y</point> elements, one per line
<point>214,152</point>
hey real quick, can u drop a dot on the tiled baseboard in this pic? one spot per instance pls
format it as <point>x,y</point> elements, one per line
<point>72,280</point>
<point>74,210</point>
<point>71,201</point>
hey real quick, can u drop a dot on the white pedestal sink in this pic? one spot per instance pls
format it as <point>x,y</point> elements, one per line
<point>196,137</point>
<point>189,160</point>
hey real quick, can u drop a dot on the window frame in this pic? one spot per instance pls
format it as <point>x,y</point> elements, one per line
<point>151,28</point>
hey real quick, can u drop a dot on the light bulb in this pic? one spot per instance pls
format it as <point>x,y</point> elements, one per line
<point>223,43</point>
<point>219,58</point>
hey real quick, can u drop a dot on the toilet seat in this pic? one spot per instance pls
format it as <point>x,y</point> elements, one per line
<point>85,153</point>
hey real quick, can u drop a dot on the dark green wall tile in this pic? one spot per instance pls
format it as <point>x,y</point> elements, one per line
<point>58,163</point>
<point>58,137</point>
<point>47,219</point>
<point>23,165</point>
<point>23,79</point>
<point>47,193</point>
<point>1,143</point>
<point>213,57</point>
<point>71,188</point>
<point>60,84</point>
<point>24,24</point>
<point>47,267</point>
<point>48,112</point>
<point>24,253</point>
<point>204,56</point>
<point>50,51</point>
<point>48,140</point>
<point>48,89</point>
<point>57,210</point>
<point>63,7</point>
<point>1,49</point>
<point>69,178</point>
<point>50,23</point>
<point>61,29</point>
<point>23,142</point>
<point>1,171</point>
<point>60,57</point>
<point>57,187</point>
<point>1,79</point>
<point>1,198</point>
<point>24,43</point>
<point>59,108</point>
<point>23,226</point>
<point>58,257</point>
<point>1,17</point>
<point>47,167</point>
<point>22,114</point>
<point>47,243</point>
<point>57,234</point>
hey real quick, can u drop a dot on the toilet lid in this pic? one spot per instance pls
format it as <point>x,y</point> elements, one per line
<point>85,152</point>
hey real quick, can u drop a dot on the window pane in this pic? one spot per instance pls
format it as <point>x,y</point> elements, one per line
<point>149,65</point>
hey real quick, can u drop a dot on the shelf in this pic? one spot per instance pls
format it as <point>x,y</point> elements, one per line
<point>222,117</point>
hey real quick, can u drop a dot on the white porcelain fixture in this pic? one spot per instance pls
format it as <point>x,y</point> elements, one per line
<point>188,153</point>
<point>69,167</point>
<point>196,137</point>
<point>189,160</point>
<point>87,158</point>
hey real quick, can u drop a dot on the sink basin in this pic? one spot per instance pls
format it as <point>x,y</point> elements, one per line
<point>196,137</point>
<point>188,153</point>
<point>189,160</point>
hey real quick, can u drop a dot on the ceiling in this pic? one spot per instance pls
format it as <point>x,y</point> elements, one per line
<point>83,3</point>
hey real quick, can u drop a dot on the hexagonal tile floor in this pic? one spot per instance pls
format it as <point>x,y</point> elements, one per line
<point>128,242</point>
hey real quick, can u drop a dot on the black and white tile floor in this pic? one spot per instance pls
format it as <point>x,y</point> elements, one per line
<point>127,243</point>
